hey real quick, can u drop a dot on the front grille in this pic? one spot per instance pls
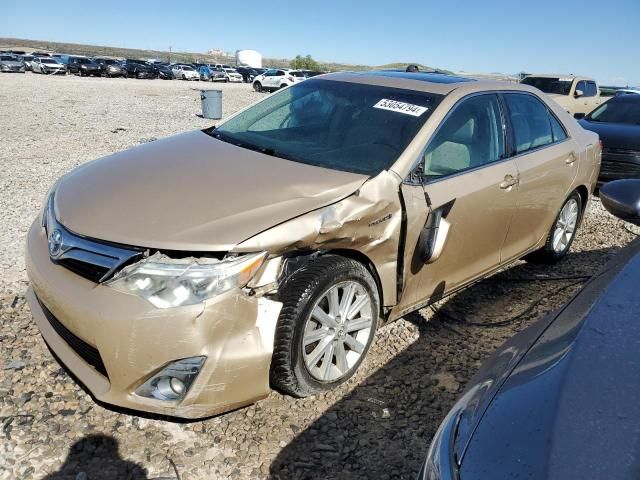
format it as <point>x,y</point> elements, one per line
<point>620,163</point>
<point>87,270</point>
<point>88,353</point>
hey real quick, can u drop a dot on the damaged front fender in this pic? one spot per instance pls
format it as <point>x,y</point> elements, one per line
<point>369,222</point>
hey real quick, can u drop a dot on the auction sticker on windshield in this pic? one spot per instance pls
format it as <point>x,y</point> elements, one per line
<point>400,107</point>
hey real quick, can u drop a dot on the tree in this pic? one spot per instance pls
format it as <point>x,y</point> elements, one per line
<point>304,63</point>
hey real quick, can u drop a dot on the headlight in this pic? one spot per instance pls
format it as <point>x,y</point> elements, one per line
<point>170,283</point>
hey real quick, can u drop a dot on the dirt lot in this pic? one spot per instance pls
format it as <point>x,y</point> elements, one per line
<point>377,426</point>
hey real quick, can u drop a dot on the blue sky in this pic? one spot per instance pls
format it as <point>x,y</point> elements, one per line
<point>598,38</point>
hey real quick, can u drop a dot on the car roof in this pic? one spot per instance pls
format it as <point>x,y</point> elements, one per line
<point>438,83</point>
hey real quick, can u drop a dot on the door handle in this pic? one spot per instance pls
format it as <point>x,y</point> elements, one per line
<point>508,182</point>
<point>570,159</point>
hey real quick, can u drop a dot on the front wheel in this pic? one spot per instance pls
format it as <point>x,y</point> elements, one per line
<point>562,232</point>
<point>257,87</point>
<point>326,326</point>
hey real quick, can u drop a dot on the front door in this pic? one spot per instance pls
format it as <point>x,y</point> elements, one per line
<point>470,186</point>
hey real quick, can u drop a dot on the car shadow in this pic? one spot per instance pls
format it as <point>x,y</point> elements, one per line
<point>96,457</point>
<point>383,427</point>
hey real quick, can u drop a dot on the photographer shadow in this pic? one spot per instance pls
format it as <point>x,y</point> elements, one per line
<point>96,457</point>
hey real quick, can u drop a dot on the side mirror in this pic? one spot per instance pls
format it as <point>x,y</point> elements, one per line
<point>578,116</point>
<point>622,199</point>
<point>578,93</point>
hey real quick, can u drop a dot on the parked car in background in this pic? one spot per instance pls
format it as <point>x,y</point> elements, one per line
<point>276,78</point>
<point>559,400</point>
<point>163,71</point>
<point>628,91</point>
<point>248,74</point>
<point>211,74</point>
<point>137,69</point>
<point>577,95</point>
<point>40,54</point>
<point>27,59</point>
<point>291,230</point>
<point>84,67</point>
<point>11,63</point>
<point>312,73</point>
<point>232,75</point>
<point>184,72</point>
<point>109,67</point>
<point>48,66</point>
<point>617,122</point>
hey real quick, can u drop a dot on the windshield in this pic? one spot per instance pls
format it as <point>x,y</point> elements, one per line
<point>230,70</point>
<point>7,58</point>
<point>48,60</point>
<point>617,110</point>
<point>187,68</point>
<point>561,86</point>
<point>340,125</point>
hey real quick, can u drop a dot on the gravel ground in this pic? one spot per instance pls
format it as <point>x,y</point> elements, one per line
<point>377,425</point>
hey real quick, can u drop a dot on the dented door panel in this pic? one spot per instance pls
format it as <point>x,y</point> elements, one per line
<point>479,214</point>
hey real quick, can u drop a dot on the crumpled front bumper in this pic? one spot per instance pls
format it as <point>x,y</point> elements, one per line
<point>135,340</point>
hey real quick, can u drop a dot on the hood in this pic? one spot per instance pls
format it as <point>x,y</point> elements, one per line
<point>615,135</point>
<point>192,192</point>
<point>570,409</point>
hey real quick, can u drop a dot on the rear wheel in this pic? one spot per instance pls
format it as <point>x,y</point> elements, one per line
<point>326,326</point>
<point>562,232</point>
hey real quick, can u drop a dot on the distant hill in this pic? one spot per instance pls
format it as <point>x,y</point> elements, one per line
<point>189,57</point>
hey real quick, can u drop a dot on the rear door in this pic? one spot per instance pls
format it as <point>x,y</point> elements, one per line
<point>470,187</point>
<point>547,161</point>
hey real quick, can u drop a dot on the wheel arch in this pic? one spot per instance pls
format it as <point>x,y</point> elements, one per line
<point>368,264</point>
<point>583,191</point>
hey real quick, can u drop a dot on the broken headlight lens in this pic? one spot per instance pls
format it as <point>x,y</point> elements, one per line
<point>170,283</point>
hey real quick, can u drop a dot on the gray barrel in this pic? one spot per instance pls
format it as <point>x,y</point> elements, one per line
<point>211,104</point>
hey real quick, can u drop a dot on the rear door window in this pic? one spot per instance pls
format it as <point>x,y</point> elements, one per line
<point>557,129</point>
<point>471,136</point>
<point>530,122</point>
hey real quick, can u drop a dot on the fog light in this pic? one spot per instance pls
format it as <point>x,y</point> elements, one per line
<point>173,381</point>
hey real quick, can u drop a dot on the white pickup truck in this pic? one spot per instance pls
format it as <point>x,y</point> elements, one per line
<point>577,95</point>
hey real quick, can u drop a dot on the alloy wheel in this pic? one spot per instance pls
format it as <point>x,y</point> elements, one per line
<point>565,226</point>
<point>337,331</point>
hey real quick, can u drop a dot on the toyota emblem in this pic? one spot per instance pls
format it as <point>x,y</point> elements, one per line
<point>55,243</point>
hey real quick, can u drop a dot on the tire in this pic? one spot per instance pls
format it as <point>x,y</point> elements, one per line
<point>307,317</point>
<point>184,77</point>
<point>257,86</point>
<point>226,80</point>
<point>562,233</point>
